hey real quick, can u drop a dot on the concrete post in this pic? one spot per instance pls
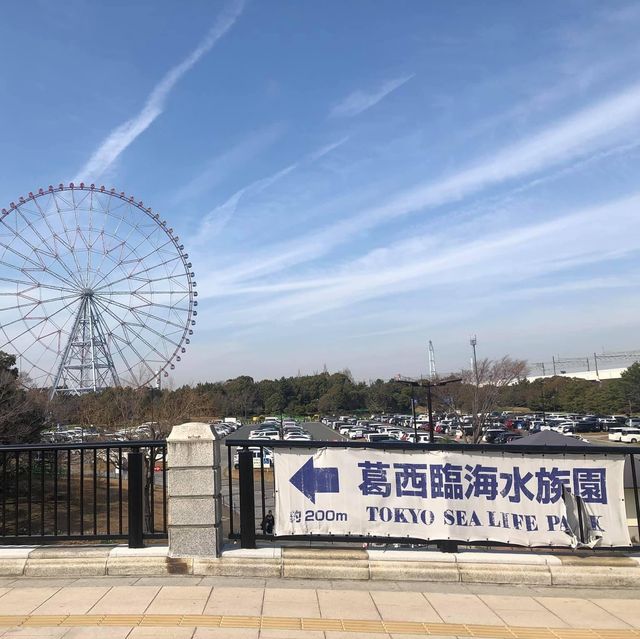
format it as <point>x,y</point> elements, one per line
<point>194,484</point>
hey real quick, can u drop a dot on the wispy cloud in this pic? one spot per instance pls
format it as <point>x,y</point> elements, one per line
<point>325,150</point>
<point>215,221</point>
<point>122,136</point>
<point>590,131</point>
<point>224,164</point>
<point>595,235</point>
<point>359,101</point>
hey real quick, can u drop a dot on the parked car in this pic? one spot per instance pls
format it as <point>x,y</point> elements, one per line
<point>507,437</point>
<point>588,426</point>
<point>491,433</point>
<point>376,437</point>
<point>423,438</point>
<point>264,434</point>
<point>616,432</point>
<point>267,457</point>
<point>631,436</point>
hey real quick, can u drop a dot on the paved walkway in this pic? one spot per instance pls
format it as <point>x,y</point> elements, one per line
<point>227,608</point>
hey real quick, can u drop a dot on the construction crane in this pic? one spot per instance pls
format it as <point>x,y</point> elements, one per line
<point>432,362</point>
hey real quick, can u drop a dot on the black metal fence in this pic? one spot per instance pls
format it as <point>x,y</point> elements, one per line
<point>96,491</point>
<point>249,503</point>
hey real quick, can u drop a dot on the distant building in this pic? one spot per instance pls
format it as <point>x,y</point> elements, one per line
<point>594,376</point>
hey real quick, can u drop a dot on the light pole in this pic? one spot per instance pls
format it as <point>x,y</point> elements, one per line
<point>476,426</point>
<point>412,383</point>
<point>473,341</point>
<point>428,384</point>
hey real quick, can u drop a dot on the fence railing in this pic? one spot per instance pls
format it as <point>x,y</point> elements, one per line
<point>248,504</point>
<point>94,491</point>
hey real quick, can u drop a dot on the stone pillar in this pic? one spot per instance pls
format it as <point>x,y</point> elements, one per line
<point>194,484</point>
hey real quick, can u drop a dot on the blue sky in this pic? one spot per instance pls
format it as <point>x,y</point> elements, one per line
<point>352,179</point>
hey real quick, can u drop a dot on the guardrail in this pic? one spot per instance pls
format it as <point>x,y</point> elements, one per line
<point>250,513</point>
<point>94,491</point>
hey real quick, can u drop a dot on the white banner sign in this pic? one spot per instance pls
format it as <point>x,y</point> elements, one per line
<point>504,497</point>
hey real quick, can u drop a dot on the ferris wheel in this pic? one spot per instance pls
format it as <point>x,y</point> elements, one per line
<point>95,290</point>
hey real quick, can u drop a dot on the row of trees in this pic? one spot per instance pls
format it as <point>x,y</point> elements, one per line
<point>22,411</point>
<point>493,385</point>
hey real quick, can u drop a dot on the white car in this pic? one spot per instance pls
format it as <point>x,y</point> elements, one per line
<point>267,457</point>
<point>297,434</point>
<point>264,434</point>
<point>631,436</point>
<point>423,438</point>
<point>616,432</point>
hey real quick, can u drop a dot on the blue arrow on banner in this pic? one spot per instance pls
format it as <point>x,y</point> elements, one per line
<point>309,480</point>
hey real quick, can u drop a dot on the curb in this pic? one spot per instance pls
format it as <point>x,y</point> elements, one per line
<point>537,569</point>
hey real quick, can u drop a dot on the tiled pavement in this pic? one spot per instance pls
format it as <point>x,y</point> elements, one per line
<point>228,608</point>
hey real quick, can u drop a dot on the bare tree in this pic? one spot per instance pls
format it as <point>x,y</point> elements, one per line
<point>487,384</point>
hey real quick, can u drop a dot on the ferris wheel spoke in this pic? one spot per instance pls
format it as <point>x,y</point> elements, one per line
<point>129,343</point>
<point>154,251</point>
<point>32,284</point>
<point>170,307</point>
<point>146,314</point>
<point>120,259</point>
<point>146,240</point>
<point>105,254</point>
<point>72,244</point>
<point>130,326</point>
<point>35,303</point>
<point>68,243</point>
<point>38,323</point>
<point>123,261</point>
<point>135,274</point>
<point>141,360</point>
<point>38,267</point>
<point>52,250</point>
<point>145,326</point>
<point>117,340</point>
